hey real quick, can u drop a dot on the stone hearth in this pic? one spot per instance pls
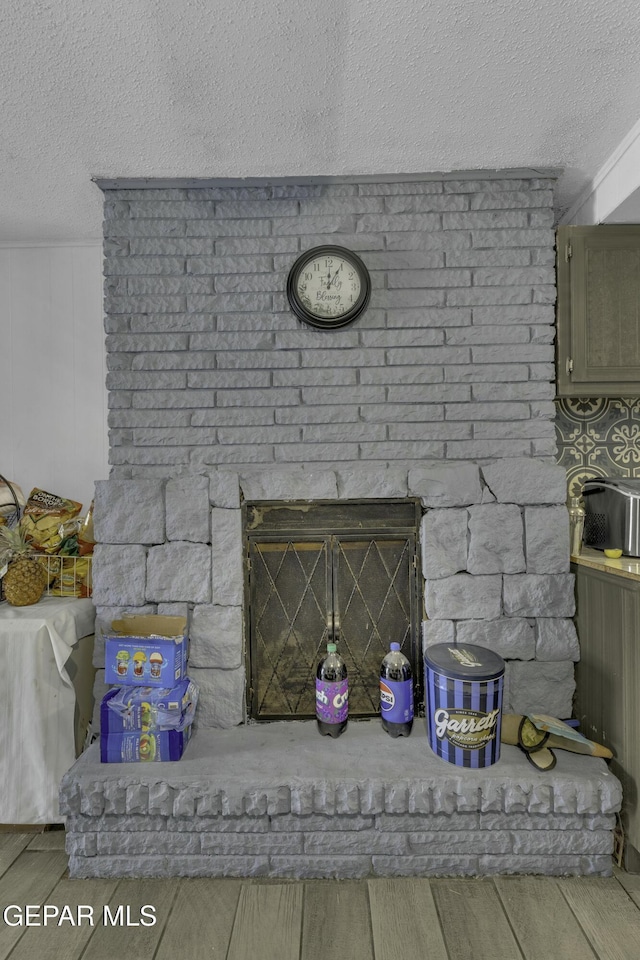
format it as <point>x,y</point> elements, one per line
<point>278,800</point>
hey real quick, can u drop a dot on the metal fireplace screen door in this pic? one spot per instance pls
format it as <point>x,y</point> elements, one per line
<point>319,572</point>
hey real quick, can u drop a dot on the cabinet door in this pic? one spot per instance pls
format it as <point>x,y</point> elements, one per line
<point>598,345</point>
<point>608,679</point>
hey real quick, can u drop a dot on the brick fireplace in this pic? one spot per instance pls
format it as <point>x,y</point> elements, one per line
<point>442,391</point>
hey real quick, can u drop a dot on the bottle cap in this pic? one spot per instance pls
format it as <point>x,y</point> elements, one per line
<point>331,648</point>
<point>395,646</point>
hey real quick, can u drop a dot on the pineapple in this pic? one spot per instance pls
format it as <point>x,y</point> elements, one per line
<point>25,579</point>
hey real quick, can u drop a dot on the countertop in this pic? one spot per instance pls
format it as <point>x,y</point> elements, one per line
<point>628,567</point>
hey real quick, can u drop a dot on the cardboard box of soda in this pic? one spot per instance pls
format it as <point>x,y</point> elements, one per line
<point>148,650</point>
<point>145,709</point>
<point>136,746</point>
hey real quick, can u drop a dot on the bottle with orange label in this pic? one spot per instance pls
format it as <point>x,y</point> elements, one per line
<point>396,693</point>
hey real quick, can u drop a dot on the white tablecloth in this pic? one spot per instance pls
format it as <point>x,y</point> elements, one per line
<point>37,704</point>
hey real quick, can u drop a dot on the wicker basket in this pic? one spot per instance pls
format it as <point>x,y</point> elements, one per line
<point>66,576</point>
<point>10,518</point>
<point>10,512</point>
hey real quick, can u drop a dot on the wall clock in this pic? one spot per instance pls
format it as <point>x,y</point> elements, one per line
<point>328,287</point>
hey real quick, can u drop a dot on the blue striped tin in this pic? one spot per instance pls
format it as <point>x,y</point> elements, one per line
<point>463,684</point>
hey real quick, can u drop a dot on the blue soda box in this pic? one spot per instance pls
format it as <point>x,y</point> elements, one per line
<point>149,651</point>
<point>148,708</point>
<point>135,746</point>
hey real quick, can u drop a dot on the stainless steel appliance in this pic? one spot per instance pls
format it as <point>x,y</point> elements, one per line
<point>612,514</point>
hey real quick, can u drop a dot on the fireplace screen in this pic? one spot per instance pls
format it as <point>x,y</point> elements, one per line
<point>322,571</point>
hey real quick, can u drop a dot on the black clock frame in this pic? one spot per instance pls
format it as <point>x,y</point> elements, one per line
<point>328,323</point>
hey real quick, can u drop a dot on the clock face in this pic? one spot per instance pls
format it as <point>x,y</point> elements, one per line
<point>328,287</point>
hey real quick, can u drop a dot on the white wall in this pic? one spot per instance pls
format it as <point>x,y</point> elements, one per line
<point>613,196</point>
<point>53,400</point>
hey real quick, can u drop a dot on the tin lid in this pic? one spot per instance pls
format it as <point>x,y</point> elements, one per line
<point>464,661</point>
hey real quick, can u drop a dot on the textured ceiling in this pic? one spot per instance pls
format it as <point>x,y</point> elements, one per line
<point>296,88</point>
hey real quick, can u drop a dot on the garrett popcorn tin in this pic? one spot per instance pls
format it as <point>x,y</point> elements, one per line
<point>463,684</point>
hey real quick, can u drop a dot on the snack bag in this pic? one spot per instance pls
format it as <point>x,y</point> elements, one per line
<point>77,536</point>
<point>86,538</point>
<point>73,579</point>
<point>51,567</point>
<point>43,516</point>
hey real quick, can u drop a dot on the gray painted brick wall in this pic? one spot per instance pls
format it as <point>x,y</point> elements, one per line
<point>207,366</point>
<point>215,386</point>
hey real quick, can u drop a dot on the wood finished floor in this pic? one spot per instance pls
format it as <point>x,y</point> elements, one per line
<point>502,918</point>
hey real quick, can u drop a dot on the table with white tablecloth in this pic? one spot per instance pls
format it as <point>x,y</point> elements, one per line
<point>37,704</point>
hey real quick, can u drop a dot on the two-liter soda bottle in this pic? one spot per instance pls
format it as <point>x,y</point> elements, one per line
<point>396,693</point>
<point>332,693</point>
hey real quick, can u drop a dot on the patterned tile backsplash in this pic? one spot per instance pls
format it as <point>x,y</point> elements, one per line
<point>598,437</point>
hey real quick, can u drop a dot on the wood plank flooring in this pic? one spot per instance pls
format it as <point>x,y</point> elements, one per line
<point>501,918</point>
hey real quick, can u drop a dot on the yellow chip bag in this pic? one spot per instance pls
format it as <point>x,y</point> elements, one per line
<point>74,578</point>
<point>43,516</point>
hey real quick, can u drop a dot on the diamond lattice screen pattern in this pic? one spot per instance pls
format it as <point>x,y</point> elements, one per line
<point>357,590</point>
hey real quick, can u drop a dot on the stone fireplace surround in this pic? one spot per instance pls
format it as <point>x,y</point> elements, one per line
<point>494,546</point>
<point>443,390</point>
<point>277,800</point>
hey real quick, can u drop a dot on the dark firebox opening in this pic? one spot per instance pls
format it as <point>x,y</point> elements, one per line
<point>343,571</point>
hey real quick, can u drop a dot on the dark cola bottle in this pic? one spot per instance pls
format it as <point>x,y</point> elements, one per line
<point>332,694</point>
<point>396,693</point>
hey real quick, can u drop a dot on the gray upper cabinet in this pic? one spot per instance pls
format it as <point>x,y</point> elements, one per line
<point>598,343</point>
